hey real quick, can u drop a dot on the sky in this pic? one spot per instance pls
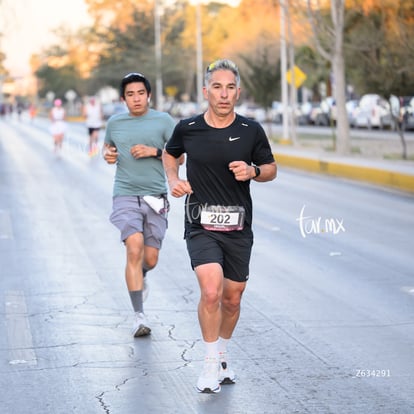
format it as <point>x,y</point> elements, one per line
<point>27,27</point>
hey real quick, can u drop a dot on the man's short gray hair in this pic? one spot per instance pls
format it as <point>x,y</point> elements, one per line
<point>225,64</point>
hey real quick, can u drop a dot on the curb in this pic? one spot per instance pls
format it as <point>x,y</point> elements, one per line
<point>393,179</point>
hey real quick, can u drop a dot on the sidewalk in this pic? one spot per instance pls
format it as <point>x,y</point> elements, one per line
<point>395,174</point>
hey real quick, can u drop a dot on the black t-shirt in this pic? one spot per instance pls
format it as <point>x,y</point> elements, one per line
<point>209,151</point>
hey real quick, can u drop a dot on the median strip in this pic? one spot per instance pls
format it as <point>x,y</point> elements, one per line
<point>374,175</point>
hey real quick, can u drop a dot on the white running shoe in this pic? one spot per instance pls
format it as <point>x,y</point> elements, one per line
<point>226,374</point>
<point>140,326</point>
<point>145,290</point>
<point>208,380</point>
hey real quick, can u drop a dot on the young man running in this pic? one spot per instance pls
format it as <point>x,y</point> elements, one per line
<point>134,141</point>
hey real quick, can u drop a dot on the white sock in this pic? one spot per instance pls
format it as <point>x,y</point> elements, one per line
<point>211,349</point>
<point>222,345</point>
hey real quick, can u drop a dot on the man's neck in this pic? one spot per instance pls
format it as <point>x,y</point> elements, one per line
<point>217,121</point>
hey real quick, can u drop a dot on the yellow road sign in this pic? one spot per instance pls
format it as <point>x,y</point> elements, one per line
<point>298,75</point>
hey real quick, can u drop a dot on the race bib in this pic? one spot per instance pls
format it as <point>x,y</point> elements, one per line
<point>222,218</point>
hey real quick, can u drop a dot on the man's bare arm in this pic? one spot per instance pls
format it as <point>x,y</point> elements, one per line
<point>178,187</point>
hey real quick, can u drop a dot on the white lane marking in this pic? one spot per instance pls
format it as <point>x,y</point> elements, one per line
<point>6,229</point>
<point>18,330</point>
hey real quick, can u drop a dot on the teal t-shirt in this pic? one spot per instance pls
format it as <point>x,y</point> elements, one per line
<point>144,176</point>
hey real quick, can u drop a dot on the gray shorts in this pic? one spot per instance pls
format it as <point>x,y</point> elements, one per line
<point>131,214</point>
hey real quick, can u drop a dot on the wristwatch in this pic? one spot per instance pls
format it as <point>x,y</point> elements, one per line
<point>159,153</point>
<point>256,171</point>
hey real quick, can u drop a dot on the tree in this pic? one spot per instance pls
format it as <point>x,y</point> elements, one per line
<point>68,60</point>
<point>127,50</point>
<point>317,69</point>
<point>58,80</point>
<point>261,78</point>
<point>6,20</point>
<point>121,40</point>
<point>380,40</point>
<point>328,39</point>
<point>3,70</point>
<point>126,43</point>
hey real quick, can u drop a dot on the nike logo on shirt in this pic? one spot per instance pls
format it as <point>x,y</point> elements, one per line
<point>233,138</point>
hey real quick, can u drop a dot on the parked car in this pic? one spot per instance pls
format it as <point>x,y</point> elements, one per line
<point>276,112</point>
<point>407,112</point>
<point>373,111</point>
<point>113,108</point>
<point>252,111</point>
<point>321,114</point>
<point>187,109</point>
<point>350,107</point>
<point>305,111</point>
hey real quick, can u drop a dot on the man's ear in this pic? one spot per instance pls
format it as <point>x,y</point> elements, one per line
<point>205,92</point>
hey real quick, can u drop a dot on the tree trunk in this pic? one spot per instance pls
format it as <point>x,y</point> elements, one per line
<point>343,145</point>
<point>402,137</point>
<point>398,118</point>
<point>292,89</point>
<point>334,53</point>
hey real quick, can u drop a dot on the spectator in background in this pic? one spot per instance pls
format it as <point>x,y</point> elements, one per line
<point>58,128</point>
<point>92,111</point>
<point>32,111</point>
<point>19,109</point>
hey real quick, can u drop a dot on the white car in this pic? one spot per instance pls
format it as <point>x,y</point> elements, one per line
<point>251,111</point>
<point>323,113</point>
<point>373,111</point>
<point>113,108</point>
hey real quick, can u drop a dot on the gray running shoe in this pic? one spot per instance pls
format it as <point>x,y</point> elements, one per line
<point>140,326</point>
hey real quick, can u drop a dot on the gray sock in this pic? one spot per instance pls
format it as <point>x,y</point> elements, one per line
<point>136,299</point>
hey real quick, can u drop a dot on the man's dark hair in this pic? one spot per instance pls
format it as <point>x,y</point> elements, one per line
<point>134,77</point>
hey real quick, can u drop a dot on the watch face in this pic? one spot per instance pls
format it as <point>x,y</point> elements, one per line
<point>257,171</point>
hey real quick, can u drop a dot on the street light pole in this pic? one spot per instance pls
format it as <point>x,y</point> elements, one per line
<point>158,73</point>
<point>283,69</point>
<point>199,48</point>
<point>1,76</point>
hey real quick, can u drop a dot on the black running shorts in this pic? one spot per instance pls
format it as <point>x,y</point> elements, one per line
<point>232,250</point>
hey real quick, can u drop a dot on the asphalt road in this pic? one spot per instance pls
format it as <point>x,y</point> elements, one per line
<point>327,322</point>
